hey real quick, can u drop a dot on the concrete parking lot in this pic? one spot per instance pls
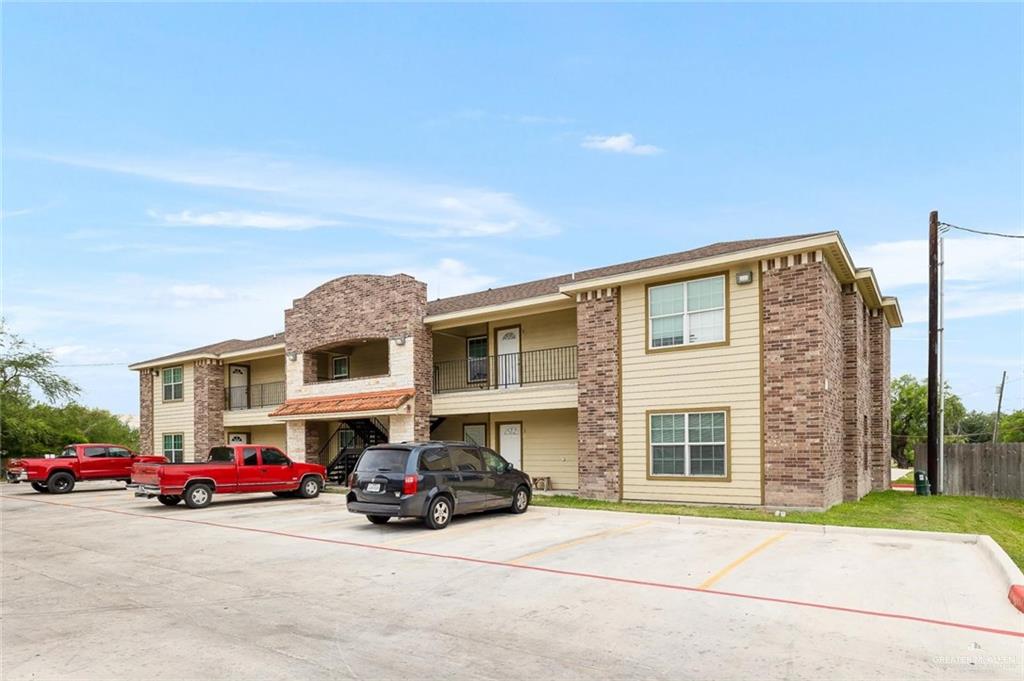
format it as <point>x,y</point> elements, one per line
<point>99,585</point>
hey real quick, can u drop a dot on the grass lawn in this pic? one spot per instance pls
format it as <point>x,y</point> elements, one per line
<point>909,477</point>
<point>1002,519</point>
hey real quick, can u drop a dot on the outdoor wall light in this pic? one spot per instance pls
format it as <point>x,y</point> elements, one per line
<point>399,340</point>
<point>292,355</point>
<point>744,277</point>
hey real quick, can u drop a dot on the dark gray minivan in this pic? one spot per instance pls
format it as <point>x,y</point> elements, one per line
<point>434,481</point>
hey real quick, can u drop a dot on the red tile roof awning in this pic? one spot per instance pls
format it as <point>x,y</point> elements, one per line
<point>387,400</point>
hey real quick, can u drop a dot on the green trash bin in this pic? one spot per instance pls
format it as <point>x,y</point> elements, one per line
<point>921,486</point>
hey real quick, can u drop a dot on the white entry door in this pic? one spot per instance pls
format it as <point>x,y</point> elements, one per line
<point>508,356</point>
<point>510,443</point>
<point>238,438</point>
<point>238,386</point>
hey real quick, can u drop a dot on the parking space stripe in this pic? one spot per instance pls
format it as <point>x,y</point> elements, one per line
<point>739,561</point>
<point>551,571</point>
<point>561,546</point>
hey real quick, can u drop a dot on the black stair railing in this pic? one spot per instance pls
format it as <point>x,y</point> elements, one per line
<point>349,440</point>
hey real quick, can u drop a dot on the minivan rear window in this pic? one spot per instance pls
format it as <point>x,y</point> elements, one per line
<point>383,460</point>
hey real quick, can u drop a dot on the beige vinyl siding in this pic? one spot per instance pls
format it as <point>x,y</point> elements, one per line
<point>266,370</point>
<point>368,359</point>
<point>695,379</point>
<point>549,441</point>
<point>560,395</point>
<point>175,416</point>
<point>268,435</point>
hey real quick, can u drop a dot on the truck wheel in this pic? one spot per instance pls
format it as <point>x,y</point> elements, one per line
<point>310,487</point>
<point>40,487</point>
<point>439,513</point>
<point>169,499</point>
<point>198,495</point>
<point>60,483</point>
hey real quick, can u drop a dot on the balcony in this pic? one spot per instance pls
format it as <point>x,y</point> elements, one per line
<point>255,396</point>
<point>506,371</point>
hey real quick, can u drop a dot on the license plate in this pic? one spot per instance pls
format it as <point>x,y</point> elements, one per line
<point>373,487</point>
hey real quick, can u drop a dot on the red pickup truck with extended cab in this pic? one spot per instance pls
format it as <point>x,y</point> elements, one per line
<point>91,461</point>
<point>229,469</point>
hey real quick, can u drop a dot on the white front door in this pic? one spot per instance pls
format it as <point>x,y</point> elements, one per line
<point>510,443</point>
<point>238,438</point>
<point>238,386</point>
<point>508,356</point>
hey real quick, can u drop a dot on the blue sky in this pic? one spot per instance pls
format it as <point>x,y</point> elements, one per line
<point>176,174</point>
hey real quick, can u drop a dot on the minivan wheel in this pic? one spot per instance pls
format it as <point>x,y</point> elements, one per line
<point>60,483</point>
<point>198,496</point>
<point>310,488</point>
<point>439,514</point>
<point>40,487</point>
<point>378,519</point>
<point>520,500</point>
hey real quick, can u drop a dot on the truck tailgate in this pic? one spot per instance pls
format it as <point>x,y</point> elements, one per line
<point>146,473</point>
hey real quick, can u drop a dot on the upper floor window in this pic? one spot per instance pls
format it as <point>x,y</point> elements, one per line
<point>476,358</point>
<point>339,367</point>
<point>174,383</point>
<point>686,312</point>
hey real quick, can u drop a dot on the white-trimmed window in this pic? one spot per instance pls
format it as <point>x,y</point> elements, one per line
<point>690,444</point>
<point>339,367</point>
<point>174,447</point>
<point>687,312</point>
<point>476,359</point>
<point>174,383</point>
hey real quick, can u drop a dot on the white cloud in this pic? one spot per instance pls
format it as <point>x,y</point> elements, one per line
<point>620,144</point>
<point>243,219</point>
<point>449,277</point>
<point>356,197</point>
<point>905,263</point>
<point>983,276</point>
<point>185,294</point>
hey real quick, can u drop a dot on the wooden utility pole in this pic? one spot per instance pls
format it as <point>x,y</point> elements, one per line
<point>999,409</point>
<point>934,437</point>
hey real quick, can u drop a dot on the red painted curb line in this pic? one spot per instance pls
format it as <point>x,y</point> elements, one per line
<point>1016,596</point>
<point>553,571</point>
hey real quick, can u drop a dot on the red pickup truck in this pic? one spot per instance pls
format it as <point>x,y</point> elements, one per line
<point>230,469</point>
<point>91,461</point>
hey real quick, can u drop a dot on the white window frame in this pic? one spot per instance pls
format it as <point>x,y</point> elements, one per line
<point>334,367</point>
<point>685,314</point>
<point>686,444</point>
<point>169,452</point>
<point>179,384</point>
<point>471,362</point>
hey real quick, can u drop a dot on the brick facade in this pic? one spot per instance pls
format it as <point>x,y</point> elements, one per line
<point>146,411</point>
<point>366,307</point>
<point>856,395</point>
<point>881,442</point>
<point>825,364</point>
<point>208,408</point>
<point>599,447</point>
<point>802,373</point>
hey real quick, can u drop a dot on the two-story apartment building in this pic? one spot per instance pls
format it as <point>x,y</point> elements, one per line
<point>749,372</point>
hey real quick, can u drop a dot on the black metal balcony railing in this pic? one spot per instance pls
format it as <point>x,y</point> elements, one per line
<point>255,396</point>
<point>503,371</point>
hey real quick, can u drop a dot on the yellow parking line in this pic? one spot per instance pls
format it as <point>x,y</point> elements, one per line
<point>706,584</point>
<point>579,540</point>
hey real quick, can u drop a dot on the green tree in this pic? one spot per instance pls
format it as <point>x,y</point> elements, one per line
<point>909,419</point>
<point>1011,427</point>
<point>975,426</point>
<point>23,365</point>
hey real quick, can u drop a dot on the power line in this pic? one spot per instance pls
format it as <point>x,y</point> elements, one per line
<point>980,231</point>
